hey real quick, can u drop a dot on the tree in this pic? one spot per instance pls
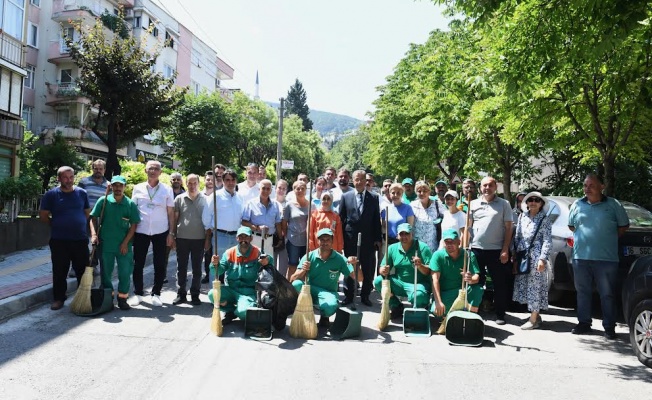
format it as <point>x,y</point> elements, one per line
<point>257,126</point>
<point>296,104</point>
<point>203,126</point>
<point>350,152</point>
<point>116,76</point>
<point>304,148</point>
<point>43,161</point>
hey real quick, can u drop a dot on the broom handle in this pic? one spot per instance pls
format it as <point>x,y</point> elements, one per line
<point>214,209</point>
<point>99,224</point>
<point>308,227</point>
<point>414,300</point>
<point>467,240</point>
<point>357,264</point>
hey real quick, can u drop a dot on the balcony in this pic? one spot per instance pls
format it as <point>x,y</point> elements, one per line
<point>74,10</point>
<point>11,50</point>
<point>60,93</point>
<point>58,52</point>
<point>12,131</point>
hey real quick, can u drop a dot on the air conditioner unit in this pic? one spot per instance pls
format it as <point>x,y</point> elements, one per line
<point>129,13</point>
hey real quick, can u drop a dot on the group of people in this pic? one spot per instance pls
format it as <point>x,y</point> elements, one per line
<point>230,229</point>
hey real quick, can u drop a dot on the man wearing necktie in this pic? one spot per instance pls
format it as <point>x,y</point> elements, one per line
<point>360,212</point>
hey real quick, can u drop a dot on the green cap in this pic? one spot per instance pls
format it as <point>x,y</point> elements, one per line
<point>324,231</point>
<point>244,230</point>
<point>442,182</point>
<point>450,234</point>
<point>405,227</point>
<point>118,179</point>
<point>407,181</point>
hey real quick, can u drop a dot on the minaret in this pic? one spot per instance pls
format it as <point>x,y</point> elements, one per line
<point>256,96</point>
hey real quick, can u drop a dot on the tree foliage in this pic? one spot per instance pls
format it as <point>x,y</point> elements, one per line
<point>257,131</point>
<point>304,148</point>
<point>350,152</point>
<point>116,76</point>
<point>43,160</point>
<point>296,103</point>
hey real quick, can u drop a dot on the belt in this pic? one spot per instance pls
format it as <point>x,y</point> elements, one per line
<point>266,235</point>
<point>226,232</point>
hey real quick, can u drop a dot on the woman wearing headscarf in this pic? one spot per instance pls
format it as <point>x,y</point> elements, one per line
<point>533,235</point>
<point>325,217</point>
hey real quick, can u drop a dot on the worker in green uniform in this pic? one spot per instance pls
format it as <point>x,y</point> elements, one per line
<point>240,264</point>
<point>398,266</point>
<point>323,267</point>
<point>119,221</point>
<point>446,265</point>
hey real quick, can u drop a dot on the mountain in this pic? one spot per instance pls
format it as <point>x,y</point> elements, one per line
<point>329,124</point>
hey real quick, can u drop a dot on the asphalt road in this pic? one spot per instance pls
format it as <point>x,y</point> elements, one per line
<point>169,353</point>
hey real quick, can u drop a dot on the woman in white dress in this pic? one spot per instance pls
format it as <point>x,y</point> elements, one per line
<point>453,217</point>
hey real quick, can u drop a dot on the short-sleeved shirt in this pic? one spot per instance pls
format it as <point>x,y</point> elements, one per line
<point>326,273</point>
<point>116,221</point>
<point>409,199</point>
<point>397,215</point>
<point>241,269</point>
<point>189,225</point>
<point>258,214</point>
<point>489,222</point>
<point>297,220</point>
<point>153,203</point>
<point>596,228</point>
<point>450,270</point>
<point>93,189</point>
<point>400,262</point>
<point>68,210</point>
<point>248,193</point>
<point>455,221</point>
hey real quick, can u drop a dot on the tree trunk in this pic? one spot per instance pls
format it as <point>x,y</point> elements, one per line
<point>609,165</point>
<point>112,164</point>
<point>507,183</point>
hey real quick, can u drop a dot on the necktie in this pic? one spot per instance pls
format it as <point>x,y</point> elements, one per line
<point>360,203</point>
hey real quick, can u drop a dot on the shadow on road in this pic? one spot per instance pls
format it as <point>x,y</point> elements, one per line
<point>629,372</point>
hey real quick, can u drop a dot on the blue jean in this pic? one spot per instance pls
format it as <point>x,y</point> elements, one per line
<point>605,275</point>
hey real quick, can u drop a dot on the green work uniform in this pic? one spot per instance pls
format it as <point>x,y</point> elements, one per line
<point>323,278</point>
<point>409,199</point>
<point>401,274</point>
<point>240,275</point>
<point>450,278</point>
<point>115,224</point>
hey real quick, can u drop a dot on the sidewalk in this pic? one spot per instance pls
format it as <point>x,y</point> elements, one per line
<point>26,280</point>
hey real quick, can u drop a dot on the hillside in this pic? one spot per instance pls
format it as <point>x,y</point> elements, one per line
<point>330,124</point>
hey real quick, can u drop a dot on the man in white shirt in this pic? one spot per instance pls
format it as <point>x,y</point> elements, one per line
<point>249,189</point>
<point>343,177</point>
<point>155,202</point>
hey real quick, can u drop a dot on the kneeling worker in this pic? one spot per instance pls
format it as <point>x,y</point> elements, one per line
<point>240,264</point>
<point>323,267</point>
<point>446,265</point>
<point>398,266</point>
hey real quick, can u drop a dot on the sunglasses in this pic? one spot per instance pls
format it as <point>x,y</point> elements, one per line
<point>534,200</point>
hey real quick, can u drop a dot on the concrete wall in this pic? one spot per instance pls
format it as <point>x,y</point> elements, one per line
<point>24,234</point>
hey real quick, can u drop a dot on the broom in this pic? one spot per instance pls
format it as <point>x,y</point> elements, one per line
<point>460,301</point>
<point>303,323</point>
<point>386,290</point>
<point>81,303</point>
<point>216,320</point>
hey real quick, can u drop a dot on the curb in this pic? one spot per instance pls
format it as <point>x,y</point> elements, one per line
<point>17,304</point>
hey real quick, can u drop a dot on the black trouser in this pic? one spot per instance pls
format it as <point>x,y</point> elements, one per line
<point>500,276</point>
<point>208,255</point>
<point>368,265</point>
<point>193,248</point>
<point>62,254</point>
<point>141,245</point>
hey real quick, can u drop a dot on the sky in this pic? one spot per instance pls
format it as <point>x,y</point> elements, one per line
<point>340,50</point>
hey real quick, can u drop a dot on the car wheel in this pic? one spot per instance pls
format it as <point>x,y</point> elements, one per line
<point>640,332</point>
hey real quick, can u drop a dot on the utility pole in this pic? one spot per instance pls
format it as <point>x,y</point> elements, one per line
<point>279,145</point>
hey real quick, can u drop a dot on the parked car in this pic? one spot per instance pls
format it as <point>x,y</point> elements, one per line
<point>636,242</point>
<point>637,308</point>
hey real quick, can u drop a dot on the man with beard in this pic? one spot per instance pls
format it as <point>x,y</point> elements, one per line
<point>177,184</point>
<point>441,187</point>
<point>240,265</point>
<point>209,186</point>
<point>343,177</point>
<point>95,186</point>
<point>220,169</point>
<point>65,209</point>
<point>249,189</point>
<point>408,191</point>
<point>118,227</point>
<point>468,187</point>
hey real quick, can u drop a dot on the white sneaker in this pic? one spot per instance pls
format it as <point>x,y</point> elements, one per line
<point>528,325</point>
<point>156,300</point>
<point>136,300</point>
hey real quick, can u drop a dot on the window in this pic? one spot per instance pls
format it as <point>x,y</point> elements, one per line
<point>168,72</point>
<point>29,80</point>
<point>32,35</point>
<point>195,57</point>
<point>195,87</point>
<point>13,18</point>
<point>66,78</point>
<point>6,162</point>
<point>66,33</point>
<point>37,3</point>
<point>136,22</point>
<point>63,116</point>
<point>27,117</point>
<point>169,40</point>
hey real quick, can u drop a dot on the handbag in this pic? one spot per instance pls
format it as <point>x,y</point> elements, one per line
<point>522,259</point>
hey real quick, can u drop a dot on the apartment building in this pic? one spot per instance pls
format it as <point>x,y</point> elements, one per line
<point>12,74</point>
<point>52,100</point>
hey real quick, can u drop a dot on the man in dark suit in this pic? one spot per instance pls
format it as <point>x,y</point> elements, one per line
<point>360,212</point>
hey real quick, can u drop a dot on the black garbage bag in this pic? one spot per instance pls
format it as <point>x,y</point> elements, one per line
<point>276,293</point>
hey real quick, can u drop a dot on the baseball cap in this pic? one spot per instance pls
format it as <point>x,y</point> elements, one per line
<point>450,234</point>
<point>118,179</point>
<point>407,181</point>
<point>324,231</point>
<point>452,193</point>
<point>244,230</point>
<point>405,227</point>
<point>442,182</point>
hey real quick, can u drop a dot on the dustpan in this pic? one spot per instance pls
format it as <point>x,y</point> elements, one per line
<point>416,321</point>
<point>348,321</point>
<point>258,323</point>
<point>464,328</point>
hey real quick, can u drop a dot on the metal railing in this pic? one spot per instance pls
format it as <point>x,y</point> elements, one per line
<point>12,50</point>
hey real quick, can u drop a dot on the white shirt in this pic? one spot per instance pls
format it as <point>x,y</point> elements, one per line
<point>229,211</point>
<point>455,221</point>
<point>153,203</point>
<point>247,193</point>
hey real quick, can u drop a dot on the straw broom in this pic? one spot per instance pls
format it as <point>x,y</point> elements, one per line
<point>303,323</point>
<point>386,290</point>
<point>216,319</point>
<point>460,301</point>
<point>81,303</point>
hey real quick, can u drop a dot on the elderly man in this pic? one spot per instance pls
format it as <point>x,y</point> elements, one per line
<point>155,202</point>
<point>229,211</point>
<point>447,265</point>
<point>398,266</point>
<point>118,223</point>
<point>409,194</point>
<point>65,209</point>
<point>323,267</point>
<point>240,264</point>
<point>250,188</point>
<point>95,186</point>
<point>597,221</point>
<point>491,225</point>
<point>263,216</point>
<point>190,237</point>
